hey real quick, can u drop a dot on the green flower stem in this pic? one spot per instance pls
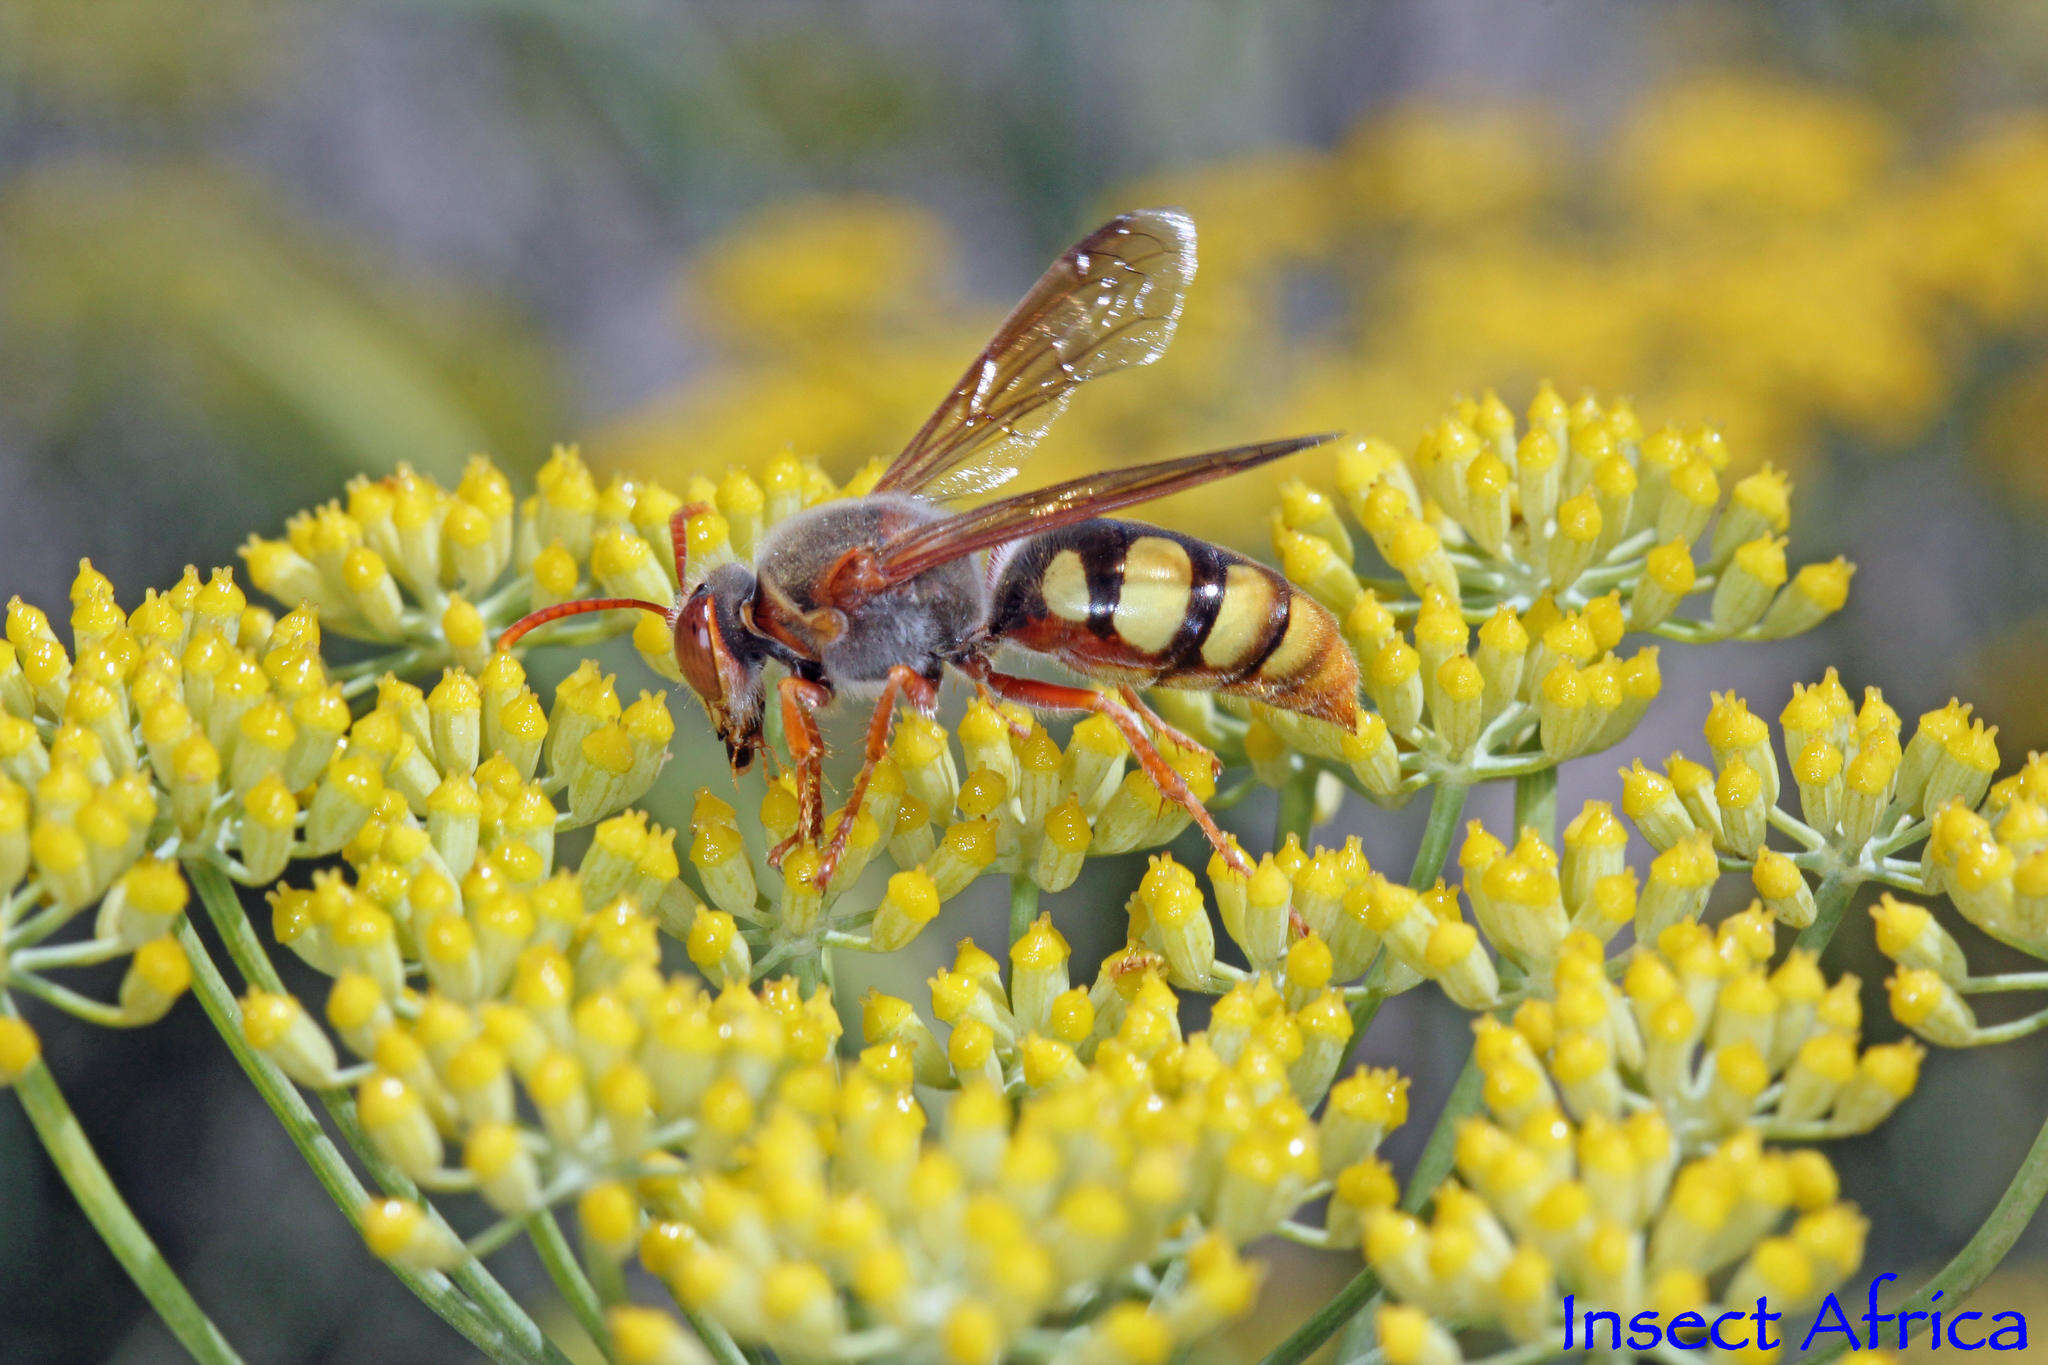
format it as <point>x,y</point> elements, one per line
<point>2011,1030</point>
<point>1023,904</point>
<point>72,1154</point>
<point>508,1333</point>
<point>810,971</point>
<point>327,1163</point>
<point>1297,813</point>
<point>1430,1169</point>
<point>567,1273</point>
<point>1831,902</point>
<point>1981,1254</point>
<point>1437,1154</point>
<point>2005,981</point>
<point>1305,1340</point>
<point>41,925</point>
<point>80,953</point>
<point>716,1339</point>
<point>1536,803</point>
<point>1446,805</point>
<point>95,1012</point>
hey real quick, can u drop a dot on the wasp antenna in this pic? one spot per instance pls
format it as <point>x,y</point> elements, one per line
<point>1299,443</point>
<point>535,620</point>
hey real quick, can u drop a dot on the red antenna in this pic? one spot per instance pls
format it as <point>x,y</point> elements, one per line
<point>678,525</point>
<point>535,620</point>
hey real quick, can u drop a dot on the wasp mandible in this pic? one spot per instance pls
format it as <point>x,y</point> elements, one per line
<point>880,594</point>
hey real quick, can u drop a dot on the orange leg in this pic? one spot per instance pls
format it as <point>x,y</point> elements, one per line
<point>1059,696</point>
<point>918,691</point>
<point>1160,726</point>
<point>800,703</point>
<point>1017,727</point>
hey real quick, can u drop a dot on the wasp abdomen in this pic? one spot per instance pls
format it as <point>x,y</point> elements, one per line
<point>1131,603</point>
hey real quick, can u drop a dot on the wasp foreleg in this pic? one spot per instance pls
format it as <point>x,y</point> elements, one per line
<point>800,703</point>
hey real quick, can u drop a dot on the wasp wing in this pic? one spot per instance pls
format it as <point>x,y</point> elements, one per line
<point>1027,514</point>
<point>1110,302</point>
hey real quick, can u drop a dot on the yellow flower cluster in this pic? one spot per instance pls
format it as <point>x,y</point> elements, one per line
<point>1024,806</point>
<point>1557,542</point>
<point>200,728</point>
<point>504,1017</point>
<point>403,560</point>
<point>1865,800</point>
<point>1860,791</point>
<point>195,726</point>
<point>1705,1031</point>
<point>1610,1212</point>
<point>1991,860</point>
<point>781,1192</point>
<point>1620,1158</point>
<point>436,838</point>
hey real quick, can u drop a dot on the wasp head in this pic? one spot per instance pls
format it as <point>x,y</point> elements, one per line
<point>721,659</point>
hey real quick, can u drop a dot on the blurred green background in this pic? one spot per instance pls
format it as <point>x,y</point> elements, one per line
<point>248,249</point>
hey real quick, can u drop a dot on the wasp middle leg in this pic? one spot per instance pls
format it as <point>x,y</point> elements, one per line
<point>914,688</point>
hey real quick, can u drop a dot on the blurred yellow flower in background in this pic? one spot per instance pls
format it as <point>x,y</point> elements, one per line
<point>1768,255</point>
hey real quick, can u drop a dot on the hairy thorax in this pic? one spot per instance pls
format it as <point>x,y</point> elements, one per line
<point>921,623</point>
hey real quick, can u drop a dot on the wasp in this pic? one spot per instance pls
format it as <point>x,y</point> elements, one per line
<point>881,594</point>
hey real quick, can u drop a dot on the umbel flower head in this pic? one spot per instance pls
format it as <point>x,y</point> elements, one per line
<point>1034,1159</point>
<point>1607,1212</point>
<point>1865,799</point>
<point>780,1188</point>
<point>1488,580</point>
<point>180,729</point>
<point>1620,1158</point>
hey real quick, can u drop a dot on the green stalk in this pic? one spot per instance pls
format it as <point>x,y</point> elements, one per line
<point>1831,902</point>
<point>72,1154</point>
<point>1305,1340</point>
<point>1446,805</point>
<point>1981,1254</point>
<point>1297,815</point>
<point>1023,904</point>
<point>1437,1154</point>
<point>1430,1171</point>
<point>716,1339</point>
<point>567,1273</point>
<point>329,1167</point>
<point>809,971</point>
<point>499,1309</point>
<point>1536,802</point>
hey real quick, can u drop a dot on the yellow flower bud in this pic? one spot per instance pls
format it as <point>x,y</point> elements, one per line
<point>404,1233</point>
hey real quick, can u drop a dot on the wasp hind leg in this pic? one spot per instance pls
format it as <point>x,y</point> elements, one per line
<point>1161,726</point>
<point>1131,725</point>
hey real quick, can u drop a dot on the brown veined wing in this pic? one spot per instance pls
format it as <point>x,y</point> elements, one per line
<point>1110,302</point>
<point>1031,513</point>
